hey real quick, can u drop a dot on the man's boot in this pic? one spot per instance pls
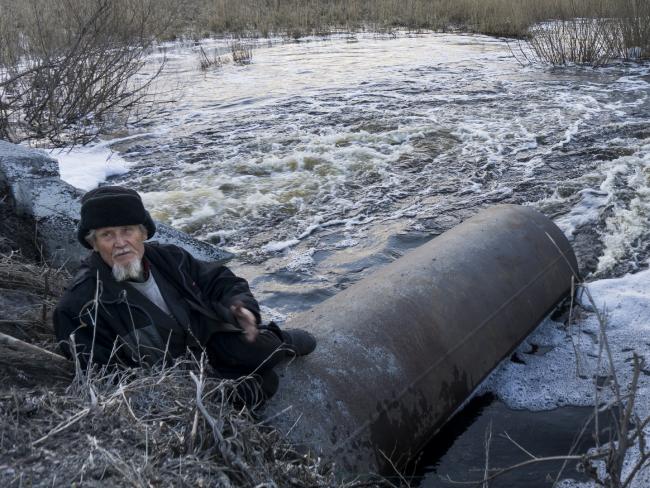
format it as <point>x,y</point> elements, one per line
<point>298,341</point>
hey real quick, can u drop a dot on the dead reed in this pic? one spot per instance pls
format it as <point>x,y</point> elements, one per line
<point>35,290</point>
<point>242,53</point>
<point>169,426</point>
<point>206,61</point>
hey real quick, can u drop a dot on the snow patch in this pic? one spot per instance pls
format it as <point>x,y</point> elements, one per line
<point>87,167</point>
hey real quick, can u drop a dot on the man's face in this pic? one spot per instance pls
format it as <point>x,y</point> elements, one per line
<point>120,245</point>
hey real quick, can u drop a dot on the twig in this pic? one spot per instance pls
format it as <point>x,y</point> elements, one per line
<point>62,426</point>
<point>528,453</point>
<point>392,465</point>
<point>503,471</point>
<point>487,443</point>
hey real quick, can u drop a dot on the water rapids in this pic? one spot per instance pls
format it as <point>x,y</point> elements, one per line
<point>324,159</point>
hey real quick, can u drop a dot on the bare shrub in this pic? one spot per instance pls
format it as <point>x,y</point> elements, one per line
<point>592,32</point>
<point>74,67</point>
<point>580,41</point>
<point>634,26</point>
<point>242,53</point>
<point>206,62</point>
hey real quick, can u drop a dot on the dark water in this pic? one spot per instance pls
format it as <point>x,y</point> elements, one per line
<point>458,453</point>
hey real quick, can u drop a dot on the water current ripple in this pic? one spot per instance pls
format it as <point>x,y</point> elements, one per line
<point>311,160</point>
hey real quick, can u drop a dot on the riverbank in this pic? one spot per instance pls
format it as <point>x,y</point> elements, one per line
<point>133,428</point>
<point>343,170</point>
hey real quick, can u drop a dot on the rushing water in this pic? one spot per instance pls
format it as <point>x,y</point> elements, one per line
<point>322,160</point>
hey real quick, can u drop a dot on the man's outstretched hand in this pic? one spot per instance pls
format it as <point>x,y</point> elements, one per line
<point>246,320</point>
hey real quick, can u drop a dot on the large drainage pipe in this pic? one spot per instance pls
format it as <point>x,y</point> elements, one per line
<point>403,348</point>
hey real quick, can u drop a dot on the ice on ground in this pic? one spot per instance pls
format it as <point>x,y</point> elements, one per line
<point>573,360</point>
<point>86,167</point>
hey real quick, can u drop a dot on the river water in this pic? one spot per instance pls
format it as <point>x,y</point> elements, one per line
<point>324,159</point>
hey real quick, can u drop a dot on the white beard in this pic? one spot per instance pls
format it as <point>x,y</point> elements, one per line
<point>129,271</point>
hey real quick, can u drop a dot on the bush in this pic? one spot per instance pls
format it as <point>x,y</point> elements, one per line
<point>68,67</point>
<point>617,30</point>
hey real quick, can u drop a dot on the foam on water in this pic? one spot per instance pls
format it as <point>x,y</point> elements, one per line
<point>327,133</point>
<point>567,374</point>
<point>587,211</point>
<point>628,225</point>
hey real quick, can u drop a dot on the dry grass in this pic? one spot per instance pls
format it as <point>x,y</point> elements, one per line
<point>174,426</point>
<point>242,53</point>
<point>40,287</point>
<point>296,18</point>
<point>206,61</point>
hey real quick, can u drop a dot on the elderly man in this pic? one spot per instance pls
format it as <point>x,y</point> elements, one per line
<point>135,303</point>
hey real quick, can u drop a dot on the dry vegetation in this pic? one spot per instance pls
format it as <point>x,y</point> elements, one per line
<point>39,286</point>
<point>70,68</point>
<point>171,426</point>
<point>296,18</point>
<point>168,426</point>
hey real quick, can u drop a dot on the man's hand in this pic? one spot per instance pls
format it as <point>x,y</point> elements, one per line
<point>246,320</point>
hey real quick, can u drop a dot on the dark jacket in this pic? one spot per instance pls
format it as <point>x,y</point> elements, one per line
<point>114,323</point>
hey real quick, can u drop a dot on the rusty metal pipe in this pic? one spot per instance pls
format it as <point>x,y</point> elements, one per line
<point>402,349</point>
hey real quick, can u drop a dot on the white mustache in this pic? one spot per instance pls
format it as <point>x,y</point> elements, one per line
<point>120,252</point>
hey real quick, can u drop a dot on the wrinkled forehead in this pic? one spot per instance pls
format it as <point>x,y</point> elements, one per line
<point>119,229</point>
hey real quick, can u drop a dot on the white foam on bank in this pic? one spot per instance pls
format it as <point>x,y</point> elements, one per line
<point>566,374</point>
<point>85,167</point>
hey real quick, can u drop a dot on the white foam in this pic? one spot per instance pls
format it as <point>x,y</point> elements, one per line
<point>85,167</point>
<point>300,260</point>
<point>586,211</point>
<point>565,374</point>
<point>550,380</point>
<point>629,221</point>
<point>276,246</point>
<point>345,243</point>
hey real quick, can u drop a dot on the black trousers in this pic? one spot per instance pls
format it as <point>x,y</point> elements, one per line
<point>233,357</point>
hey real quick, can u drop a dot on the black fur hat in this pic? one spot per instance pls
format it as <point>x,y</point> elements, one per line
<point>112,206</point>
